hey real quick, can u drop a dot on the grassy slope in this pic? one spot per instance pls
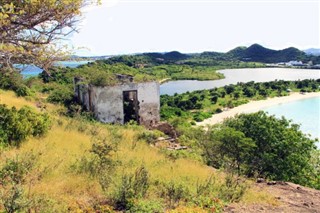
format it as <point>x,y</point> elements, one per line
<point>70,139</point>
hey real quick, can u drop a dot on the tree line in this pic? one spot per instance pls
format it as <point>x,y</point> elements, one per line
<point>199,105</point>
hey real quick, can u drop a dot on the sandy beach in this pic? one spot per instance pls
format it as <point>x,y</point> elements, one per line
<point>254,106</point>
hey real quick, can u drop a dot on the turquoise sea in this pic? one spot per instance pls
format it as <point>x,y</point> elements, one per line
<point>31,70</point>
<point>305,112</point>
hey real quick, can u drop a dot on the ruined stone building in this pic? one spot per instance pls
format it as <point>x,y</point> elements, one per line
<point>123,102</point>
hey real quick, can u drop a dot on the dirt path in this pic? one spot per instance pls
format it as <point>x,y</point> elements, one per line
<point>291,198</point>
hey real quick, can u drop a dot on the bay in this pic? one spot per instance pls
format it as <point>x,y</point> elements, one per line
<point>233,76</point>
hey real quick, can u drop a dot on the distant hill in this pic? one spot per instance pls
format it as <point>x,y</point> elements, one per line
<point>148,58</point>
<point>253,53</point>
<point>258,53</point>
<point>312,51</point>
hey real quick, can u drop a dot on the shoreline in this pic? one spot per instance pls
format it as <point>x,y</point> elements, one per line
<point>254,106</point>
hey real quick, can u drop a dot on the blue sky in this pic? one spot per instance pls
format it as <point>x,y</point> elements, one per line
<point>133,26</point>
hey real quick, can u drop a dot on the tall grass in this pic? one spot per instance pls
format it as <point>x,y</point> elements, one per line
<point>54,186</point>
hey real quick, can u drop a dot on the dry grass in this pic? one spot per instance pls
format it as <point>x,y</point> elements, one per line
<point>10,99</point>
<point>65,144</point>
<point>256,195</point>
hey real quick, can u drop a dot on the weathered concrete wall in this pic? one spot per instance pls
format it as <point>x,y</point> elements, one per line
<point>82,93</point>
<point>107,102</point>
<point>149,102</point>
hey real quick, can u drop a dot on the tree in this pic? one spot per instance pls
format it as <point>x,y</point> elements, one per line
<point>232,146</point>
<point>249,91</point>
<point>29,30</point>
<point>236,94</point>
<point>281,150</point>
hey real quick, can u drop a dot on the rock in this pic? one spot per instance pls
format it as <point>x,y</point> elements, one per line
<point>306,204</point>
<point>282,183</point>
<point>261,180</point>
<point>166,128</point>
<point>272,183</point>
<point>160,139</point>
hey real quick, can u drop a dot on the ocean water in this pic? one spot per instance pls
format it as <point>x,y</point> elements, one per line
<point>31,70</point>
<point>305,112</point>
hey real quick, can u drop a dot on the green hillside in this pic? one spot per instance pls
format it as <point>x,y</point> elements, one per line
<point>254,53</point>
<point>259,53</point>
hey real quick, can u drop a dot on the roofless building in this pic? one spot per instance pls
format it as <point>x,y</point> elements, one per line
<point>123,102</point>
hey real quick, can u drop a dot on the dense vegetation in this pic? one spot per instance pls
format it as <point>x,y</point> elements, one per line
<point>57,83</point>
<point>199,105</point>
<point>103,72</point>
<point>258,145</point>
<point>261,145</point>
<point>17,125</point>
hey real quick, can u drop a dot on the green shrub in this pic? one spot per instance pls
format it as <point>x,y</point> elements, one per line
<point>174,193</point>
<point>147,206</point>
<point>280,150</point>
<point>200,116</point>
<point>167,112</point>
<point>23,91</point>
<point>61,94</point>
<point>149,136</point>
<point>98,163</point>
<point>132,186</point>
<point>13,176</point>
<point>233,189</point>
<point>10,79</point>
<point>218,110</point>
<point>17,125</point>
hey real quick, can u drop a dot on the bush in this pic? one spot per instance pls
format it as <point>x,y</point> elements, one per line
<point>218,110</point>
<point>17,125</point>
<point>147,206</point>
<point>174,193</point>
<point>200,116</point>
<point>149,136</point>
<point>133,186</point>
<point>167,112</point>
<point>23,91</point>
<point>233,189</point>
<point>98,163</point>
<point>12,177</point>
<point>12,80</point>
<point>61,94</point>
<point>280,150</point>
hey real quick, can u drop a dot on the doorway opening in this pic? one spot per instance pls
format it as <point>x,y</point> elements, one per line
<point>130,106</point>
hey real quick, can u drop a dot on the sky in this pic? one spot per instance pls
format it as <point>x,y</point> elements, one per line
<point>136,26</point>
